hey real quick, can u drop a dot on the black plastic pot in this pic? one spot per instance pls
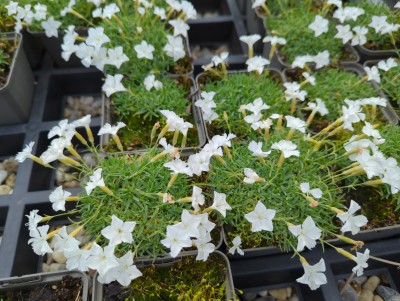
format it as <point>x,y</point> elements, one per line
<point>98,288</point>
<point>53,47</point>
<point>43,279</point>
<point>213,7</point>
<point>16,95</point>
<point>257,274</point>
<point>218,34</point>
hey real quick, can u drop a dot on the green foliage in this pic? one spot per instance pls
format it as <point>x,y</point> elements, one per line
<point>281,191</point>
<point>238,89</point>
<point>135,182</point>
<point>333,86</point>
<point>186,279</point>
<point>293,26</point>
<point>391,147</point>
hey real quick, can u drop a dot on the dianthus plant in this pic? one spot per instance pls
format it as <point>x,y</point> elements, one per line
<point>130,205</point>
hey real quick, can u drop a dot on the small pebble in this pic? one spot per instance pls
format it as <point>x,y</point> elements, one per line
<point>280,293</point>
<point>55,267</point>
<point>11,165</point>
<point>3,176</point>
<point>294,298</point>
<point>349,293</point>
<point>266,298</point>
<point>263,293</point>
<point>45,267</point>
<point>59,257</point>
<point>366,296</point>
<point>360,279</point>
<point>4,190</point>
<point>11,180</point>
<point>249,296</point>
<point>387,293</point>
<point>371,284</point>
<point>378,298</point>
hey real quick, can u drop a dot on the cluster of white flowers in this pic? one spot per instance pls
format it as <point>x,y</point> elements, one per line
<point>27,14</point>
<point>206,103</point>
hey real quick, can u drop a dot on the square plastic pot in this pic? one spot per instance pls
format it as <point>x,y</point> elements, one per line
<point>98,288</point>
<point>43,279</point>
<point>16,95</point>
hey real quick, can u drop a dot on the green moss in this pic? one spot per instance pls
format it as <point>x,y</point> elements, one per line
<point>186,279</point>
<point>280,192</point>
<point>239,89</point>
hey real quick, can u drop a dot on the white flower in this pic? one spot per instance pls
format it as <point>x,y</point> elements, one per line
<point>39,240</point>
<point>352,114</point>
<point>288,148</point>
<point>257,106</point>
<point>150,82</point>
<point>197,198</point>
<point>180,27</point>
<point>125,272</point>
<point>316,192</point>
<point>274,40</point>
<point>176,239</point>
<point>256,149</point>
<point>313,275</point>
<point>58,198</point>
<point>236,246</point>
<point>388,64</point>
<point>96,37</point>
<point>337,3</point>
<point>113,84</point>
<point>319,26</point>
<point>301,60</point>
<point>204,246</point>
<point>261,218</point>
<point>307,234</point>
<point>160,12</point>
<point>11,8</point>
<point>25,153</point>
<point>319,106</point>
<point>223,140</point>
<point>144,50</point>
<point>344,33</point>
<point>321,59</point>
<point>359,37</point>
<point>293,92</point>
<point>95,180</point>
<point>257,63</point>
<point>33,219</point>
<point>296,123</point>
<point>111,129</point>
<point>189,10</point>
<point>397,5</point>
<point>361,261</point>
<point>176,123</point>
<point>174,48</point>
<point>370,131</point>
<point>250,40</point>
<point>101,259</point>
<point>347,13</point>
<point>378,23</point>
<point>351,222</point>
<point>220,204</point>
<point>119,231</point>
<point>250,176</point>
<point>189,224</point>
<point>116,56</point>
<point>220,59</point>
<point>110,10</point>
<point>308,78</point>
<point>373,73</point>
<point>177,166</point>
<point>257,3</point>
<point>62,241</point>
<point>199,162</point>
<point>50,27</point>
<point>77,259</point>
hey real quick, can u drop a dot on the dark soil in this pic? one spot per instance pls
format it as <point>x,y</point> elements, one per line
<point>69,289</point>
